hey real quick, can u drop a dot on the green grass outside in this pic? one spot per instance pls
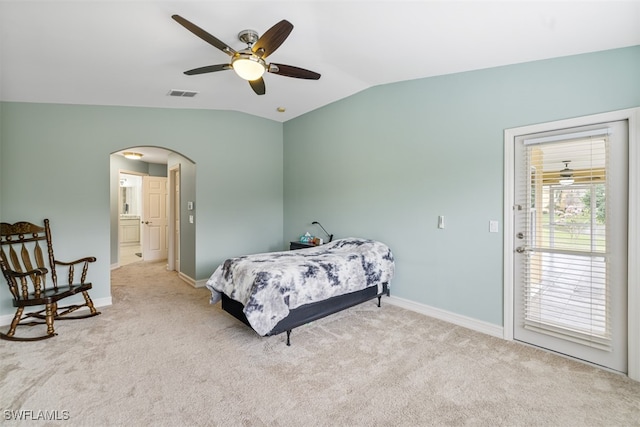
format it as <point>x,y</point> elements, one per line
<point>572,234</point>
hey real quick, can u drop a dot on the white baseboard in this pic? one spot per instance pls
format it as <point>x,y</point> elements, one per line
<point>102,302</point>
<point>6,319</point>
<point>191,281</point>
<point>447,316</point>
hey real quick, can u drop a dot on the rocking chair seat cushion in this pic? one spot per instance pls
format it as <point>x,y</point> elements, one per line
<point>51,295</point>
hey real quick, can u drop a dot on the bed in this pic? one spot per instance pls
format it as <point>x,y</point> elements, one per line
<point>278,291</point>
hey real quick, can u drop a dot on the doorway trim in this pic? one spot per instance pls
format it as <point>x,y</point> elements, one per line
<point>127,172</point>
<point>632,116</point>
<point>174,203</point>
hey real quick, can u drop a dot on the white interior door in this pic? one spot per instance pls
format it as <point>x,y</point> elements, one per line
<point>570,235</point>
<point>154,218</point>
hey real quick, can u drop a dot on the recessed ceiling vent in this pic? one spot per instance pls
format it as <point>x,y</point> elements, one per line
<point>183,93</point>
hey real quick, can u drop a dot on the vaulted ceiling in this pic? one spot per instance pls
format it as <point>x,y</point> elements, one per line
<point>131,53</point>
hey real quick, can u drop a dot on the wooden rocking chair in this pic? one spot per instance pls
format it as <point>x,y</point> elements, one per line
<point>22,262</point>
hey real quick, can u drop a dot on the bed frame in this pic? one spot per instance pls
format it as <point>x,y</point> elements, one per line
<point>309,312</point>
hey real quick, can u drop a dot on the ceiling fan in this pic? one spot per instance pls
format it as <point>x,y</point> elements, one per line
<point>566,174</point>
<point>250,63</point>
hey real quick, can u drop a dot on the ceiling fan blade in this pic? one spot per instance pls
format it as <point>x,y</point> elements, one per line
<point>272,39</point>
<point>291,71</point>
<point>204,35</point>
<point>258,86</point>
<point>208,69</point>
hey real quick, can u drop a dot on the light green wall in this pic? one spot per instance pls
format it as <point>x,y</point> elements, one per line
<point>187,230</point>
<point>56,164</point>
<point>383,163</point>
<point>386,162</point>
<point>2,176</point>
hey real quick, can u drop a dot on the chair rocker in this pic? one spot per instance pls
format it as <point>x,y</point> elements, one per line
<point>22,263</point>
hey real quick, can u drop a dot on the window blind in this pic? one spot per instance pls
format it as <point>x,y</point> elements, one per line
<point>566,292</point>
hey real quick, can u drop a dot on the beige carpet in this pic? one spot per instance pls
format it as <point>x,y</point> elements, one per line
<point>161,355</point>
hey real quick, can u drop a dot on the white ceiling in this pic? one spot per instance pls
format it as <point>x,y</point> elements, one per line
<point>149,154</point>
<point>131,53</point>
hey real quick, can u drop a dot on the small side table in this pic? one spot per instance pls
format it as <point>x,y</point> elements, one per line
<point>300,245</point>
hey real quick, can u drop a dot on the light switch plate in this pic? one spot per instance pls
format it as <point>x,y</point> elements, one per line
<point>441,221</point>
<point>493,226</point>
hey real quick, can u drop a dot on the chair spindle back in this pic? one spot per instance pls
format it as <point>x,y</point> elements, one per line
<point>21,251</point>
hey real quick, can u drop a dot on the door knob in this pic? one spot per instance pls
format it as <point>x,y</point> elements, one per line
<point>147,222</point>
<point>520,249</point>
<point>520,235</point>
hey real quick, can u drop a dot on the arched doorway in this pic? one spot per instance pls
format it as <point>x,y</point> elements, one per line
<point>130,206</point>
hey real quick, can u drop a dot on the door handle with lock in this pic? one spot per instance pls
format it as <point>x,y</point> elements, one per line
<point>147,222</point>
<point>520,235</point>
<point>521,249</point>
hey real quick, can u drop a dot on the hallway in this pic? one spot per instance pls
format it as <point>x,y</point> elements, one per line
<point>130,254</point>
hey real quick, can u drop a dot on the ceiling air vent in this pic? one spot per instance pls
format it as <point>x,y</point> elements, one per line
<point>184,93</point>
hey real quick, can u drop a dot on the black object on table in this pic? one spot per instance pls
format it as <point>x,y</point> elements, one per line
<point>300,245</point>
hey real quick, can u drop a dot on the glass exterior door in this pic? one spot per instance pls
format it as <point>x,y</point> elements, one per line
<point>570,294</point>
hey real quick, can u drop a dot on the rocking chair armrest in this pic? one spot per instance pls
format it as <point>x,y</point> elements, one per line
<point>18,274</point>
<point>78,261</point>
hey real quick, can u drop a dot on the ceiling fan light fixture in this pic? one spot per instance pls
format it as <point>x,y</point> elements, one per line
<point>248,66</point>
<point>566,174</point>
<point>131,155</point>
<point>566,181</point>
